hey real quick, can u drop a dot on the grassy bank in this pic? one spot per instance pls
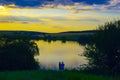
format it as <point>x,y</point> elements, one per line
<point>51,75</point>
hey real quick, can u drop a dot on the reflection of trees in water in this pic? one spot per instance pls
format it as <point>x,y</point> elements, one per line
<point>50,38</point>
<point>17,54</point>
<point>82,39</point>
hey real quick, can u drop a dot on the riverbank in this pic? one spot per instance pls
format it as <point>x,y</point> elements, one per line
<point>51,75</point>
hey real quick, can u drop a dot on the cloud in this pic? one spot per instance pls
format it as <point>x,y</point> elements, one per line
<point>113,4</point>
<point>58,27</point>
<point>31,3</point>
<point>22,3</point>
<point>90,19</point>
<point>25,22</point>
<point>22,19</point>
<point>75,5</point>
<point>91,2</point>
<point>59,18</point>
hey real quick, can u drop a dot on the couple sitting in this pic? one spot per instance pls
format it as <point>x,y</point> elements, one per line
<point>61,65</point>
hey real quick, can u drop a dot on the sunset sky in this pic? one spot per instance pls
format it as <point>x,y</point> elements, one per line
<point>57,15</point>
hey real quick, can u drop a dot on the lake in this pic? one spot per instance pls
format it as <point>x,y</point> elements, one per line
<point>53,52</point>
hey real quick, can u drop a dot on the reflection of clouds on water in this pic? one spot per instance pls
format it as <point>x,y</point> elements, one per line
<point>52,53</point>
<point>49,66</point>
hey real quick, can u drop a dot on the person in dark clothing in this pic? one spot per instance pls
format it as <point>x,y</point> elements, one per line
<point>61,65</point>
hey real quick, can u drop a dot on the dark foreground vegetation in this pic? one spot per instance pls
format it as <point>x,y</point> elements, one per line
<point>103,52</point>
<point>52,75</point>
<point>17,54</point>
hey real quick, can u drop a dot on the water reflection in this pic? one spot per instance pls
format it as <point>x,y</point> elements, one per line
<point>52,53</point>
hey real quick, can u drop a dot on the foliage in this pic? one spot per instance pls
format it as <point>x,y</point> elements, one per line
<point>52,75</point>
<point>104,51</point>
<point>17,54</point>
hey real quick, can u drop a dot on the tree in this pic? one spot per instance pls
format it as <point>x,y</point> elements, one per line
<point>103,52</point>
<point>17,54</point>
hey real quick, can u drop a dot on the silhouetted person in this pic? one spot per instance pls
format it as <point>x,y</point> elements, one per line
<point>59,65</point>
<point>62,65</point>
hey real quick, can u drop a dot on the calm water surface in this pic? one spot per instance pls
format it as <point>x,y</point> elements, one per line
<point>69,52</point>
